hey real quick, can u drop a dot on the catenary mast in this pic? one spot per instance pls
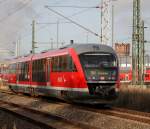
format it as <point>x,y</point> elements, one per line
<point>137,45</point>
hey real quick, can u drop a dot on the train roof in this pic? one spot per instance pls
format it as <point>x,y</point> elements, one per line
<point>82,48</point>
<point>79,48</point>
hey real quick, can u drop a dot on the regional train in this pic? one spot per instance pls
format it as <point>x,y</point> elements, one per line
<point>126,75</point>
<point>87,73</point>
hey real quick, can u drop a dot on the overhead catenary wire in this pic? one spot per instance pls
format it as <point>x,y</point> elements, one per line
<point>15,11</point>
<point>2,1</point>
<point>85,9</point>
<point>74,6</point>
<point>51,23</point>
<point>80,12</point>
<point>45,26</point>
<point>74,22</point>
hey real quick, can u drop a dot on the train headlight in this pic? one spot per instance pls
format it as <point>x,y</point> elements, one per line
<point>93,77</point>
<point>113,78</point>
<point>109,78</point>
<point>102,78</point>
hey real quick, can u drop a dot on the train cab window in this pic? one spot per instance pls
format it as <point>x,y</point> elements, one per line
<point>63,64</point>
<point>99,66</point>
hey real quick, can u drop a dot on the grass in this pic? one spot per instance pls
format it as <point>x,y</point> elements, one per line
<point>134,97</point>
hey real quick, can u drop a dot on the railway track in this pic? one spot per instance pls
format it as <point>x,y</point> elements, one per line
<point>126,114</point>
<point>42,119</point>
<point>137,116</point>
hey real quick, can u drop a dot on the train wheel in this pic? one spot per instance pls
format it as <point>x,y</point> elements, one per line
<point>12,90</point>
<point>33,92</point>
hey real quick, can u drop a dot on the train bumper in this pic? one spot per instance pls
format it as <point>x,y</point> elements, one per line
<point>87,98</point>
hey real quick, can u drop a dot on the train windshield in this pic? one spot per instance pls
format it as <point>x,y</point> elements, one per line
<point>99,66</point>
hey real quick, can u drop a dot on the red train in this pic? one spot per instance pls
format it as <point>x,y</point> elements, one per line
<point>126,75</point>
<point>4,72</point>
<point>147,75</point>
<point>86,73</point>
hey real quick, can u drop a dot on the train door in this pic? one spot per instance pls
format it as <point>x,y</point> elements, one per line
<point>10,74</point>
<point>22,76</point>
<point>30,73</point>
<point>48,70</point>
<point>17,74</point>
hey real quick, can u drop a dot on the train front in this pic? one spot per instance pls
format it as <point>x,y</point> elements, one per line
<point>100,67</point>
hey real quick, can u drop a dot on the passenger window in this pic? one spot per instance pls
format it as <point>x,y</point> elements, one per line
<point>23,71</point>
<point>12,68</point>
<point>63,64</point>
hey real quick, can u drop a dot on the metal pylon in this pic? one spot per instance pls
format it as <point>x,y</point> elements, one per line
<point>137,46</point>
<point>106,36</point>
<point>141,54</point>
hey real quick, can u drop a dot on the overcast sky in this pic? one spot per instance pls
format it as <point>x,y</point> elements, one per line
<point>16,18</point>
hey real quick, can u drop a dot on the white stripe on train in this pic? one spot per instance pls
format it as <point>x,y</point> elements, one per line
<point>51,88</point>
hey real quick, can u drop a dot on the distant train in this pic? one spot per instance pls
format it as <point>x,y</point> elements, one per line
<point>4,72</point>
<point>86,73</point>
<point>126,75</point>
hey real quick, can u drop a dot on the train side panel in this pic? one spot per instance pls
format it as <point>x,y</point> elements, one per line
<point>61,74</point>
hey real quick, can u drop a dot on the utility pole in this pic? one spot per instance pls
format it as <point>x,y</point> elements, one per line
<point>136,42</point>
<point>112,25</point>
<point>101,37</point>
<point>142,53</point>
<point>33,37</point>
<point>57,33</point>
<point>107,21</point>
<point>138,48</point>
<point>87,37</point>
<point>51,42</point>
<point>17,51</point>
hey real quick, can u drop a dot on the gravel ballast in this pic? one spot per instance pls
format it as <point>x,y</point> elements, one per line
<point>99,120</point>
<point>9,121</point>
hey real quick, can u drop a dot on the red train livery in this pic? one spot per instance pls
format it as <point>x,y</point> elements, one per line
<point>126,75</point>
<point>147,75</point>
<point>4,72</point>
<point>78,73</point>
